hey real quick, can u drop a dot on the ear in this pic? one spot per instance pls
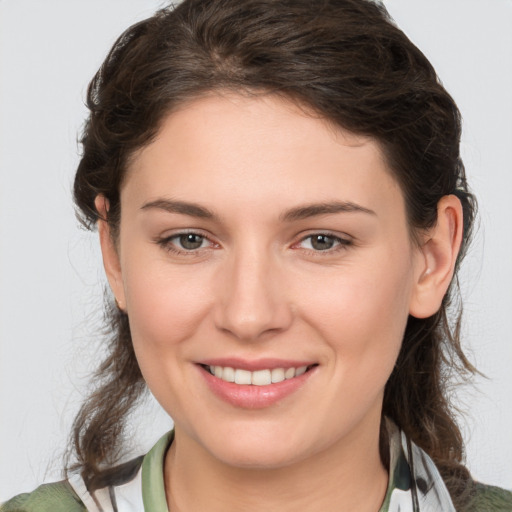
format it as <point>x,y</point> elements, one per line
<point>438,254</point>
<point>109,252</point>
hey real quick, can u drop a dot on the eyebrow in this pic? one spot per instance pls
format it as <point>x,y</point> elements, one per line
<point>294,214</point>
<point>185,208</point>
<point>312,210</point>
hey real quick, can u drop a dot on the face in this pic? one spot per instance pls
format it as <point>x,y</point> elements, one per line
<point>262,245</point>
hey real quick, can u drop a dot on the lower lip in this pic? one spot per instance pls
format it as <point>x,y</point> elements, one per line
<point>254,397</point>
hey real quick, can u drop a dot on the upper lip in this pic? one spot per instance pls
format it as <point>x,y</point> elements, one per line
<point>255,364</point>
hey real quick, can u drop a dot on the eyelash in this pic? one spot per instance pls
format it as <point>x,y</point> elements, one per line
<point>167,243</point>
<point>340,243</point>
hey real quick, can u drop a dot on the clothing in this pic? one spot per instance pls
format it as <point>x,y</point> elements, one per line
<point>415,485</point>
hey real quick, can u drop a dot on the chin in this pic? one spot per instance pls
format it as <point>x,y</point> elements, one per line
<point>257,459</point>
<point>257,449</point>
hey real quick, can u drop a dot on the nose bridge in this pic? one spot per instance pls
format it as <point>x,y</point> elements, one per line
<point>252,301</point>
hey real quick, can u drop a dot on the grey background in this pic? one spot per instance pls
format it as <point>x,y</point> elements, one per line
<point>51,280</point>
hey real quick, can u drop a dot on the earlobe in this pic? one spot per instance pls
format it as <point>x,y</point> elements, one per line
<point>438,255</point>
<point>109,252</point>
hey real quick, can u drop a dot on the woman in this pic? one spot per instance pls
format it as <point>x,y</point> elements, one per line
<point>282,208</point>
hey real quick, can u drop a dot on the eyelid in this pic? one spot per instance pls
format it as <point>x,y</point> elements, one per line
<point>343,240</point>
<point>165,242</point>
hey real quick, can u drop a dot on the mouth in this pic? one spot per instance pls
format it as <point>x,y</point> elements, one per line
<point>255,385</point>
<point>263,377</point>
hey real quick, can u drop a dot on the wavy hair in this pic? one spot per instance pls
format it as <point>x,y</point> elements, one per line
<point>344,60</point>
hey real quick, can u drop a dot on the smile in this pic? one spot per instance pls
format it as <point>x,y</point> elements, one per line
<point>255,385</point>
<point>263,377</point>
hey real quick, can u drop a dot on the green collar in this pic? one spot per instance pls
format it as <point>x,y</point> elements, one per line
<point>399,495</point>
<point>153,486</point>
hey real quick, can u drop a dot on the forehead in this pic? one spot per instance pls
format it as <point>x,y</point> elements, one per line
<point>259,149</point>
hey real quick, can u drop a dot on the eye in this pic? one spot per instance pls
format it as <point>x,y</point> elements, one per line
<point>189,241</point>
<point>323,242</point>
<point>185,243</point>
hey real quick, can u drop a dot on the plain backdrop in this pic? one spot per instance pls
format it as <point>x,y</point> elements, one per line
<point>51,279</point>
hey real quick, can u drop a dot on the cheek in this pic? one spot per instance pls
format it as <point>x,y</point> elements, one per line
<point>164,312</point>
<point>164,308</point>
<point>361,313</point>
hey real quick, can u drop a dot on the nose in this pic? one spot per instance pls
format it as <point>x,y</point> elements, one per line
<point>252,297</point>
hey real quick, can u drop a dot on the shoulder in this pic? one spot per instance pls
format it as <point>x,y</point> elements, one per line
<point>490,498</point>
<point>114,484</point>
<point>56,497</point>
<point>117,488</point>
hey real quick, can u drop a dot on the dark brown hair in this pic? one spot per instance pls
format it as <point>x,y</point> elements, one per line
<point>346,61</point>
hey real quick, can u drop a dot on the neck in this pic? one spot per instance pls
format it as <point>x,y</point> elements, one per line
<point>348,476</point>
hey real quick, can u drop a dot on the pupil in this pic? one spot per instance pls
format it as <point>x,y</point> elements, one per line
<point>191,241</point>
<point>322,242</point>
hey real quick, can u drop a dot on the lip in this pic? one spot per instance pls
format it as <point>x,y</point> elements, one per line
<point>250,396</point>
<point>257,364</point>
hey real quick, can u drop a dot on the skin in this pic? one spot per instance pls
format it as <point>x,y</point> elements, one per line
<point>257,287</point>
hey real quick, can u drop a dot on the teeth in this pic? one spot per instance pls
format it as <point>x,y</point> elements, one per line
<point>261,378</point>
<point>228,374</point>
<point>300,371</point>
<point>241,376</point>
<point>289,373</point>
<point>257,378</point>
<point>278,374</point>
